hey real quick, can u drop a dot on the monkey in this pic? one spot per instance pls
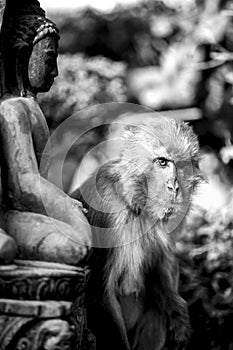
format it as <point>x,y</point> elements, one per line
<point>133,202</point>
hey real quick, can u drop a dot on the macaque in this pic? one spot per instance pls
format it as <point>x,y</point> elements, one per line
<point>134,203</point>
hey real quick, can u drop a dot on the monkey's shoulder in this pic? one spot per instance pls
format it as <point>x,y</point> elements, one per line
<point>98,195</point>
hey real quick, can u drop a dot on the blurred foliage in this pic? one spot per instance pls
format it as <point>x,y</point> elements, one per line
<point>139,34</point>
<point>82,82</point>
<point>205,249</point>
<point>177,53</point>
<point>124,34</point>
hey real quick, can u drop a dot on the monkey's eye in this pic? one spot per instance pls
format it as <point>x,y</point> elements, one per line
<point>161,161</point>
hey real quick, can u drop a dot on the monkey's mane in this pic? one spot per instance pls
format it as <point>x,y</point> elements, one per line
<point>177,137</point>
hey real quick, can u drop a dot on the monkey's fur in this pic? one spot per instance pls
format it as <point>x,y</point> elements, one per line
<point>133,202</point>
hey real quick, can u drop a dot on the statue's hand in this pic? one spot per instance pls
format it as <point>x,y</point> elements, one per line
<point>80,205</point>
<point>40,237</point>
<point>8,248</point>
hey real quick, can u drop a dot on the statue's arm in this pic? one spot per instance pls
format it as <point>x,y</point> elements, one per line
<point>16,147</point>
<point>40,137</point>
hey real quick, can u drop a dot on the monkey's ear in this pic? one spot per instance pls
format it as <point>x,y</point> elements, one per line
<point>196,179</point>
<point>197,173</point>
<point>134,202</point>
<point>132,190</point>
<point>125,189</point>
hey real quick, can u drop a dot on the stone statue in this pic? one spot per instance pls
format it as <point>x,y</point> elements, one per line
<point>29,45</point>
<point>44,234</point>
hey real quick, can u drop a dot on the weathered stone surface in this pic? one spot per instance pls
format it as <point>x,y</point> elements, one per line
<point>8,248</point>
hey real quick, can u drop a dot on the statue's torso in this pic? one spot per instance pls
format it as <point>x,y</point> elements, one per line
<point>28,115</point>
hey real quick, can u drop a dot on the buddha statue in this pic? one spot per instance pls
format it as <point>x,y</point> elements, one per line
<point>38,220</point>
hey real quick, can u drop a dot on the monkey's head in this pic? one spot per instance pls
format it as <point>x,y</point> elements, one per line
<point>158,167</point>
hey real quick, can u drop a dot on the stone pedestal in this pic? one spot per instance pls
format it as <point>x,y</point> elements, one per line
<point>41,307</point>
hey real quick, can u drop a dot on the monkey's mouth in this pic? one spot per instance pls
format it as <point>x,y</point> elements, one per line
<point>168,212</point>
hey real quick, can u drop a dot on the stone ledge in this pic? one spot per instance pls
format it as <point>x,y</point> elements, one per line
<point>39,309</point>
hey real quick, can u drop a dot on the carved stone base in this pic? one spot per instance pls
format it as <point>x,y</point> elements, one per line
<point>44,307</point>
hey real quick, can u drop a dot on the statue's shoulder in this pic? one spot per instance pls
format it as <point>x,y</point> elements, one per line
<point>14,106</point>
<point>12,101</point>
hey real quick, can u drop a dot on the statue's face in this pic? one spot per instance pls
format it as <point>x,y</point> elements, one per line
<point>42,67</point>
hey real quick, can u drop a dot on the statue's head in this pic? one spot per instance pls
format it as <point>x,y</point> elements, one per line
<point>42,64</point>
<point>32,51</point>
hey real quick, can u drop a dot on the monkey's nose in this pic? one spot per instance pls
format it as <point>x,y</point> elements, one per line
<point>173,186</point>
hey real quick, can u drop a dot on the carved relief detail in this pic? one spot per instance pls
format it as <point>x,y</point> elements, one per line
<point>42,282</point>
<point>43,288</point>
<point>22,333</point>
<point>42,307</point>
<point>68,332</point>
<point>9,327</point>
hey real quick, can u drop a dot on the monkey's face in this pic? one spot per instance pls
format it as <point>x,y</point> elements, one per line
<point>163,184</point>
<point>159,186</point>
<point>170,185</point>
<point>161,170</point>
